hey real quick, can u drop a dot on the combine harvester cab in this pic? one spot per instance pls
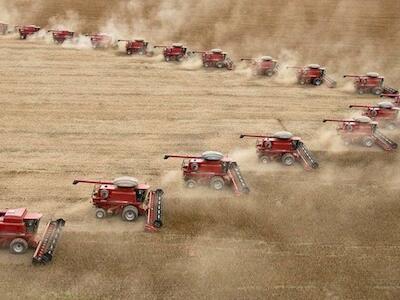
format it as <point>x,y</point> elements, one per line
<point>18,231</point>
<point>100,40</point>
<point>216,58</point>
<point>127,197</point>
<point>284,147</point>
<point>3,28</point>
<point>263,66</point>
<point>26,30</point>
<point>175,52</point>
<point>371,83</point>
<point>60,36</point>
<point>313,74</point>
<point>363,130</point>
<point>385,113</point>
<point>137,47</point>
<point>213,169</point>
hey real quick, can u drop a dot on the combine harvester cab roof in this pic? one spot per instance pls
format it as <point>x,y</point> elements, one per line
<point>283,135</point>
<point>177,45</point>
<point>373,74</point>
<point>212,155</point>
<point>266,58</point>
<point>314,66</point>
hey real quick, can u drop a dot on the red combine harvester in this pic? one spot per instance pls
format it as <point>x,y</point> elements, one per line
<point>363,130</point>
<point>60,36</point>
<point>264,66</point>
<point>27,30</point>
<point>100,40</point>
<point>3,28</point>
<point>283,146</point>
<point>216,58</point>
<point>372,83</point>
<point>175,52</point>
<point>18,231</point>
<point>137,47</point>
<point>385,113</point>
<point>313,74</point>
<point>126,197</point>
<point>213,169</point>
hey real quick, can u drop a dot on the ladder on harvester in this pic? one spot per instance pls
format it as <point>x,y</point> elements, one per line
<point>45,249</point>
<point>238,181</point>
<point>384,142</point>
<point>308,159</point>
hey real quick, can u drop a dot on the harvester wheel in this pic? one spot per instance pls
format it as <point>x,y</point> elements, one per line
<point>141,52</point>
<point>217,183</point>
<point>377,91</point>
<point>129,52</point>
<point>191,184</point>
<point>100,213</point>
<point>167,58</point>
<point>129,213</point>
<point>220,65</point>
<point>368,141</point>
<point>264,159</point>
<point>288,159</point>
<point>360,91</point>
<point>302,81</point>
<point>317,81</point>
<point>391,126</point>
<point>270,73</point>
<point>206,65</point>
<point>18,246</point>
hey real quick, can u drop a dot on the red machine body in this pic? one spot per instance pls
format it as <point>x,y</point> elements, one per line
<point>60,36</point>
<point>126,197</point>
<point>27,30</point>
<point>100,40</point>
<point>363,130</point>
<point>264,65</point>
<point>283,146</point>
<point>3,28</point>
<point>175,52</point>
<point>216,58</point>
<point>372,83</point>
<point>385,113</point>
<point>313,74</point>
<point>137,47</point>
<point>213,169</point>
<point>18,231</point>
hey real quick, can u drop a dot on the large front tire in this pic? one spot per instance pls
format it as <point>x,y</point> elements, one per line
<point>217,183</point>
<point>288,159</point>
<point>129,213</point>
<point>100,213</point>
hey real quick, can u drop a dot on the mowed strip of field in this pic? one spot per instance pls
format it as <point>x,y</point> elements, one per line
<point>80,113</point>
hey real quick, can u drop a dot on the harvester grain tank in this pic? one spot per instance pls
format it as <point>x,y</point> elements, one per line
<point>213,169</point>
<point>126,197</point>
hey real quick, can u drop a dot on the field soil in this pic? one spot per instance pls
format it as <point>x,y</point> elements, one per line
<point>70,112</point>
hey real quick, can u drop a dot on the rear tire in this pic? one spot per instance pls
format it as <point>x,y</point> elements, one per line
<point>129,213</point>
<point>18,246</point>
<point>217,183</point>
<point>191,184</point>
<point>100,213</point>
<point>288,159</point>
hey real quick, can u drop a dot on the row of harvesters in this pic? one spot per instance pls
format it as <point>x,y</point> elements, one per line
<point>312,74</point>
